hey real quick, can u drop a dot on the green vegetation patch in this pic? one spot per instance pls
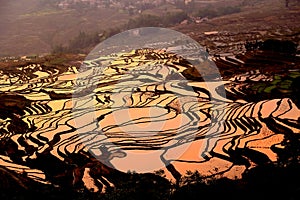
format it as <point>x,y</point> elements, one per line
<point>212,12</point>
<point>286,85</point>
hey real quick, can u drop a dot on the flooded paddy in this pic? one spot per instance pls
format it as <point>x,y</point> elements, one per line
<point>145,110</point>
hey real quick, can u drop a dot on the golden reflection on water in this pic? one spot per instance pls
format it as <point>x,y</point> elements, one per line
<point>139,119</point>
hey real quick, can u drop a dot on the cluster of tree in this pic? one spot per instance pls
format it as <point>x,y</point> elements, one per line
<point>83,42</point>
<point>79,44</point>
<point>212,12</point>
<point>274,45</point>
<point>152,20</point>
<point>47,3</point>
<point>287,2</point>
<point>188,7</point>
<point>144,20</point>
<point>141,6</point>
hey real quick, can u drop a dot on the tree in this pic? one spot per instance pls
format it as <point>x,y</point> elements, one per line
<point>58,49</point>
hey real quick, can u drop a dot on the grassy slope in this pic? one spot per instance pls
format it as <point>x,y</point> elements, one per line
<point>257,20</point>
<point>31,28</point>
